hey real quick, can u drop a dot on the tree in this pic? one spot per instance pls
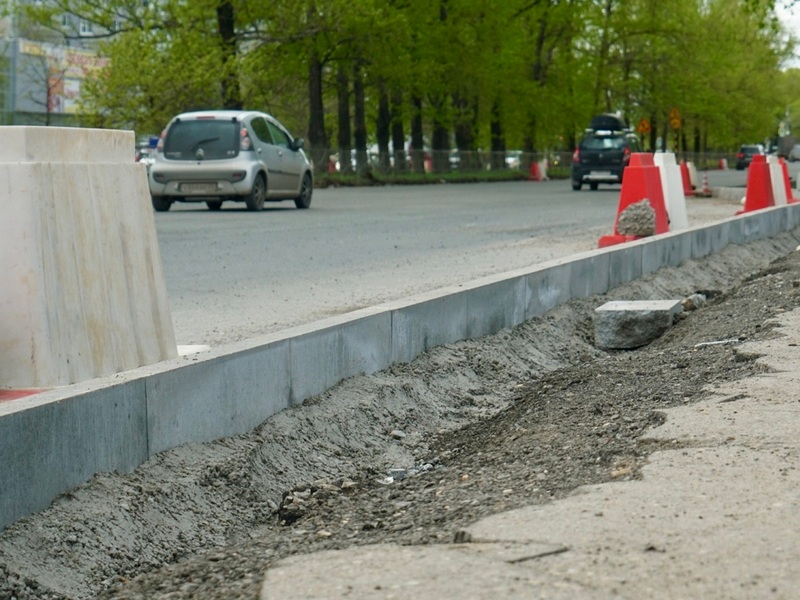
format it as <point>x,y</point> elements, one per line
<point>474,73</point>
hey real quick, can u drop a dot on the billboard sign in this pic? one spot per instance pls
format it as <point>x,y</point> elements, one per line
<point>49,76</point>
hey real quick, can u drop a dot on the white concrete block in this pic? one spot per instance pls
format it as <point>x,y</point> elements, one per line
<point>672,186</point>
<point>66,145</point>
<point>83,290</point>
<point>776,179</point>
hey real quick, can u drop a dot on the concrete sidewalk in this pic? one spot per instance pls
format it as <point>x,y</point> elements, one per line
<point>715,515</point>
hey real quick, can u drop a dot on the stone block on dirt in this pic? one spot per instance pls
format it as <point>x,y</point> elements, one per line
<point>626,324</point>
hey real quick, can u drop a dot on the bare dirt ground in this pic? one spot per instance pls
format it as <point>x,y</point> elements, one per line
<point>410,455</point>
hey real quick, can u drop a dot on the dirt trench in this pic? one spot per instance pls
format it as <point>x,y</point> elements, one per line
<point>409,455</point>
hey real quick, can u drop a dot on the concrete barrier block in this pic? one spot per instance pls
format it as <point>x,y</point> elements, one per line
<point>624,264</point>
<point>623,324</point>
<point>737,229</point>
<point>426,321</point>
<point>365,342</point>
<point>65,145</point>
<point>215,394</point>
<point>84,293</point>
<point>711,239</point>
<point>672,186</point>
<point>495,303</point>
<point>325,353</point>
<point>776,181</point>
<point>548,287</point>
<point>776,221</point>
<point>56,440</point>
<point>589,274</point>
<point>793,215</point>
<point>668,250</point>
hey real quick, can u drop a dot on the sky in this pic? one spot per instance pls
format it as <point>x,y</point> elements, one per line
<point>790,17</point>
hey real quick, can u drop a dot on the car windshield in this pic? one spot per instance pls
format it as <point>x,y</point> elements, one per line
<point>603,143</point>
<point>202,139</point>
<point>751,150</point>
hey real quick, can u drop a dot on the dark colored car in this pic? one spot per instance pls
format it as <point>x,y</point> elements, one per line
<point>745,155</point>
<point>603,154</point>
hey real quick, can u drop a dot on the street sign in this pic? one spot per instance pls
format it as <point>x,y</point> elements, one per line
<point>644,127</point>
<point>675,118</point>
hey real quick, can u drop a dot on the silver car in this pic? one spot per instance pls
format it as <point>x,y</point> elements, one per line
<point>229,155</point>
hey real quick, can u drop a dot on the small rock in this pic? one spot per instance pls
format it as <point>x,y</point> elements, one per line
<point>398,434</point>
<point>693,302</point>
<point>637,219</point>
<point>397,474</point>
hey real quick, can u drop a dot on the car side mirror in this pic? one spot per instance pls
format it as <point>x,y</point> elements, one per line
<point>298,143</point>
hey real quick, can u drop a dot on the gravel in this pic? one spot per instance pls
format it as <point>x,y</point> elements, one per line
<point>410,455</point>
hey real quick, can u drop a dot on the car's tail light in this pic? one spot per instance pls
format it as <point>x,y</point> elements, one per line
<point>740,155</point>
<point>238,176</point>
<point>245,143</point>
<point>160,177</point>
<point>576,156</point>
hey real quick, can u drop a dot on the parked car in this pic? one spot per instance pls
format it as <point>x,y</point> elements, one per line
<point>603,153</point>
<point>228,155</point>
<point>146,156</point>
<point>746,153</point>
<point>794,153</point>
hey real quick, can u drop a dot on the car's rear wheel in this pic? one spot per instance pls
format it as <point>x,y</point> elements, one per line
<point>160,203</point>
<point>306,190</point>
<point>593,186</point>
<point>214,204</point>
<point>577,185</point>
<point>258,194</point>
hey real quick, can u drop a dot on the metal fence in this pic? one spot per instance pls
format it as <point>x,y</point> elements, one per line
<point>553,164</point>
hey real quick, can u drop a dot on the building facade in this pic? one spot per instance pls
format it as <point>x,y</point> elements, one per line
<point>42,71</point>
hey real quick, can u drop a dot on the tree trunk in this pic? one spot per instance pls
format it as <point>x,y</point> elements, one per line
<point>466,125</point>
<point>398,134</point>
<point>498,141</point>
<point>343,95</point>
<point>440,140</point>
<point>360,120</point>
<point>382,125</point>
<point>653,132</point>
<point>417,141</point>
<point>226,26</point>
<point>317,138</point>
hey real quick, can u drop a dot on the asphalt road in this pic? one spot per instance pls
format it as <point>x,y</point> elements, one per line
<point>234,274</point>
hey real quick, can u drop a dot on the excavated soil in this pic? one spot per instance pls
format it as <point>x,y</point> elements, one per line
<point>410,455</point>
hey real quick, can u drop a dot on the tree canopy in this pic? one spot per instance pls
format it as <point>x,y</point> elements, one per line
<point>525,74</point>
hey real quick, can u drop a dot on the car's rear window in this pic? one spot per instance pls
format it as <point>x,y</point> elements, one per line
<point>202,139</point>
<point>751,149</point>
<point>603,143</point>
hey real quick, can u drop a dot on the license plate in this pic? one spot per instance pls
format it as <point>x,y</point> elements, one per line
<point>600,174</point>
<point>199,188</point>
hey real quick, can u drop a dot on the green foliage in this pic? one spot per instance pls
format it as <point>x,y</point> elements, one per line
<point>541,68</point>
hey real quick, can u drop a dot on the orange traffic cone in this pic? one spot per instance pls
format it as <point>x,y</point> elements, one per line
<point>758,194</point>
<point>642,180</point>
<point>687,179</point>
